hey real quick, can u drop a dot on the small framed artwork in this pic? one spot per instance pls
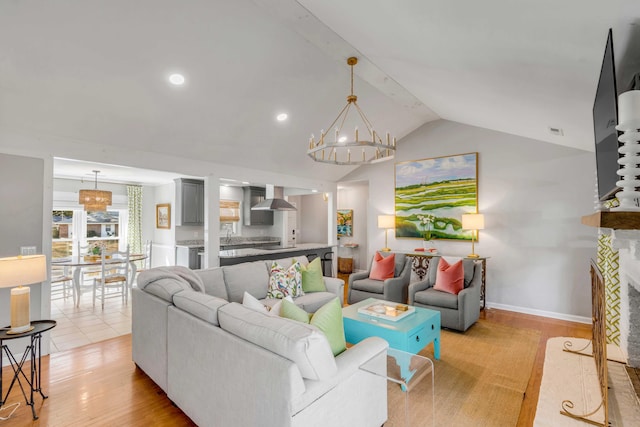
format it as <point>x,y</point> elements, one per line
<point>163,215</point>
<point>345,222</point>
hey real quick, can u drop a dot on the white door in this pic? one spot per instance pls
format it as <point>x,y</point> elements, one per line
<point>292,225</point>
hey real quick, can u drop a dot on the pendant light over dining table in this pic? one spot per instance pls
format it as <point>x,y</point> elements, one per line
<point>339,147</point>
<point>95,200</point>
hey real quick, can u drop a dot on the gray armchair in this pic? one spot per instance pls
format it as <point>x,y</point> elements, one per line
<point>457,312</point>
<point>395,289</point>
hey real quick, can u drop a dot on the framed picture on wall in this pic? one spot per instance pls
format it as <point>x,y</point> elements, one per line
<point>163,215</point>
<point>440,189</point>
<point>345,222</point>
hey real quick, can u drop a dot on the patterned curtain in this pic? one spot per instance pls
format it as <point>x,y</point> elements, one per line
<point>134,225</point>
<point>608,263</point>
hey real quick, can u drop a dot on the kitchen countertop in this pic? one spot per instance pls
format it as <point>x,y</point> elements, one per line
<point>240,240</point>
<point>235,241</point>
<point>190,243</point>
<point>249,242</point>
<point>249,252</point>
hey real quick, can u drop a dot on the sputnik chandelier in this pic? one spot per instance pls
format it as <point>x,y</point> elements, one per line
<point>340,149</point>
<point>95,200</point>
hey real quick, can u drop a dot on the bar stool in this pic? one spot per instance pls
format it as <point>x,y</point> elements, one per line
<point>327,264</point>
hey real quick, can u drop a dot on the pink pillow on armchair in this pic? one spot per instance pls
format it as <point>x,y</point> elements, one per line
<point>382,267</point>
<point>449,277</point>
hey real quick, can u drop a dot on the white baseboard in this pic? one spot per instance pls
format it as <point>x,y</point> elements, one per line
<point>550,314</point>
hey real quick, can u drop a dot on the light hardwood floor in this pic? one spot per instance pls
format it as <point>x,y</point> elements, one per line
<point>98,384</point>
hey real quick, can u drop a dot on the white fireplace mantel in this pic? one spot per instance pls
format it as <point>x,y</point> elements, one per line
<point>627,242</point>
<point>627,239</point>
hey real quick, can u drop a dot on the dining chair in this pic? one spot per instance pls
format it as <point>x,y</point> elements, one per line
<point>87,273</point>
<point>145,264</point>
<point>61,283</point>
<point>114,277</point>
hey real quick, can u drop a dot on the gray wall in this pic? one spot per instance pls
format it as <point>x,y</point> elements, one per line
<point>21,224</point>
<point>355,196</point>
<point>532,195</point>
<point>313,219</point>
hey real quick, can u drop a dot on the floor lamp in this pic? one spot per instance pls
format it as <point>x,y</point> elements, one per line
<point>14,273</point>
<point>473,222</point>
<point>387,222</point>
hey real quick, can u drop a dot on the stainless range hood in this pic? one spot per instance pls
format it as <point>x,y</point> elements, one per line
<point>274,201</point>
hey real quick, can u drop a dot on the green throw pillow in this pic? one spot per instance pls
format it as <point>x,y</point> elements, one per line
<point>312,280</point>
<point>292,311</point>
<point>328,319</point>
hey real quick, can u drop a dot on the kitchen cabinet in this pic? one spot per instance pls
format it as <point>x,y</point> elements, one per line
<point>189,201</point>
<point>253,196</point>
<point>310,250</point>
<point>189,256</point>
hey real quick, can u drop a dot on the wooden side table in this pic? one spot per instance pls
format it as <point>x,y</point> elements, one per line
<point>345,263</point>
<point>420,266</point>
<point>33,353</point>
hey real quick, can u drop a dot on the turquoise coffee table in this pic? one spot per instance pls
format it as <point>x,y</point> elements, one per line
<point>410,334</point>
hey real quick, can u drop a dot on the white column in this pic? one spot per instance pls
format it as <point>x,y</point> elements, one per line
<point>211,221</point>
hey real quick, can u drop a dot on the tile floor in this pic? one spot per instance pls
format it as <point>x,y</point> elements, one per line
<point>82,325</point>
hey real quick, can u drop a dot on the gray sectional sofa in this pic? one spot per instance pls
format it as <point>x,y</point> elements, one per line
<point>224,364</point>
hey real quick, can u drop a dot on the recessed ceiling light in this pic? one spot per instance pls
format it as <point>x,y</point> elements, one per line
<point>342,139</point>
<point>176,79</point>
<point>282,117</point>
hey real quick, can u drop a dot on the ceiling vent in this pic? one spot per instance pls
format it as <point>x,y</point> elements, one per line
<point>556,131</point>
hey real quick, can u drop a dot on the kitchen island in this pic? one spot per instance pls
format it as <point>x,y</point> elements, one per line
<point>310,250</point>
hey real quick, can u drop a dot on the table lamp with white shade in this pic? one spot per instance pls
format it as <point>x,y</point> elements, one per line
<point>473,222</point>
<point>14,273</point>
<point>387,222</point>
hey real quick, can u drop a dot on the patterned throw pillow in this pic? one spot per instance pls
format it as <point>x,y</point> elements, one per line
<point>285,281</point>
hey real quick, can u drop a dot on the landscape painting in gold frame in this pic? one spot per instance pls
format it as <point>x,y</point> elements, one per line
<point>163,215</point>
<point>443,187</point>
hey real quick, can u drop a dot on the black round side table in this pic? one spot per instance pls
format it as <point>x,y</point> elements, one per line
<point>33,353</point>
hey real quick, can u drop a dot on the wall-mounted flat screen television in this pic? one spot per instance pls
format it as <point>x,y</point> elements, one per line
<point>605,119</point>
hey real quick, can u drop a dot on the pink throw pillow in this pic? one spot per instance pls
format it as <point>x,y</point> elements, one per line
<point>449,278</point>
<point>382,267</point>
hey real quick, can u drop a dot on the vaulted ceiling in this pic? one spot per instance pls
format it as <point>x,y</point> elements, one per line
<point>96,71</point>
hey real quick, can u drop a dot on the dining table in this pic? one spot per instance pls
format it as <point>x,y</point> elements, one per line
<point>84,261</point>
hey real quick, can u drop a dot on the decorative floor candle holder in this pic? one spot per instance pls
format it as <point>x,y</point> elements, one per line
<point>629,161</point>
